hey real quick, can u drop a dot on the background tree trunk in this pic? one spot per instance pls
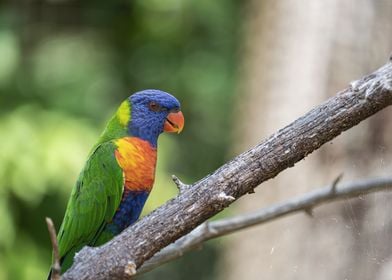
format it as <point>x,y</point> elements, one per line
<point>295,55</point>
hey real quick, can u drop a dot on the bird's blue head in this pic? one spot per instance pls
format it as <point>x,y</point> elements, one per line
<point>152,112</point>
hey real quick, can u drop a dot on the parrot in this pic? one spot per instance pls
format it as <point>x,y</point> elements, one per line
<point>118,175</point>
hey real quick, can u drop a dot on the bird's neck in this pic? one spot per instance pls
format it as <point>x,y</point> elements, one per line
<point>116,130</point>
<point>113,130</point>
<point>137,158</point>
<point>149,135</point>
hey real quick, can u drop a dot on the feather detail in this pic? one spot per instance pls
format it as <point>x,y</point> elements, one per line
<point>137,158</point>
<point>124,113</point>
<point>127,213</point>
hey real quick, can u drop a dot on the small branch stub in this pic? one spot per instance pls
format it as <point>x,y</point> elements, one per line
<point>56,268</point>
<point>130,269</point>
<point>224,197</point>
<point>180,185</point>
<point>335,183</point>
<point>309,211</point>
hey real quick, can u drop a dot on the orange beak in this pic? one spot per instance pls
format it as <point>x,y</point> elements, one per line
<point>174,122</point>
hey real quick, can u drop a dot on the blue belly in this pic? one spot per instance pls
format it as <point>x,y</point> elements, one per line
<point>128,212</point>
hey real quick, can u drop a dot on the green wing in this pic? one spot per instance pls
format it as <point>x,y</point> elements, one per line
<point>93,203</point>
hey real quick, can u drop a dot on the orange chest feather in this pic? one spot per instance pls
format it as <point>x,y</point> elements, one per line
<point>137,158</point>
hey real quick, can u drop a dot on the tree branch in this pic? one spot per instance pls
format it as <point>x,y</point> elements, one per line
<point>236,178</point>
<point>56,268</point>
<point>210,230</point>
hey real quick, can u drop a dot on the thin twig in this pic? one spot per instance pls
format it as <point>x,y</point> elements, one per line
<point>56,268</point>
<point>309,201</point>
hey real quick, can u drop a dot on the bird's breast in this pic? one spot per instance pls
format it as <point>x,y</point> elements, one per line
<point>137,158</point>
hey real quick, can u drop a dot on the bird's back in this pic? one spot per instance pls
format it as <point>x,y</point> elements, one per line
<point>94,200</point>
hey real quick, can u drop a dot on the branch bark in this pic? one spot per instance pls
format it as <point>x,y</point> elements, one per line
<point>306,203</point>
<point>236,178</point>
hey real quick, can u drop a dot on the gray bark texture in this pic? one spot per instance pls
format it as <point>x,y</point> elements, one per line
<point>119,258</point>
<point>305,203</point>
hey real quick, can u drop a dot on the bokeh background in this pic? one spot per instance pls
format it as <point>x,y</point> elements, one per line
<point>242,69</point>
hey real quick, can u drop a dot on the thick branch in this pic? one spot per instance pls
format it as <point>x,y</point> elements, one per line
<point>210,230</point>
<point>241,175</point>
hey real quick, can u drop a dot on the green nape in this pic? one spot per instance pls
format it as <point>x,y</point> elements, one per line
<point>117,127</point>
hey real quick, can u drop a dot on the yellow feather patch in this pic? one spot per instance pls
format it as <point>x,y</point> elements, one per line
<point>124,113</point>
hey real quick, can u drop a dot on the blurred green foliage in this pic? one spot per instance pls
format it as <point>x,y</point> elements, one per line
<point>65,67</point>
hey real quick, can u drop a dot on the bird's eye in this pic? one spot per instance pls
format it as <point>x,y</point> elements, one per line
<point>154,106</point>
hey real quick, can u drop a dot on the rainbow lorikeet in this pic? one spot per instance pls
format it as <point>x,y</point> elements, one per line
<point>119,174</point>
